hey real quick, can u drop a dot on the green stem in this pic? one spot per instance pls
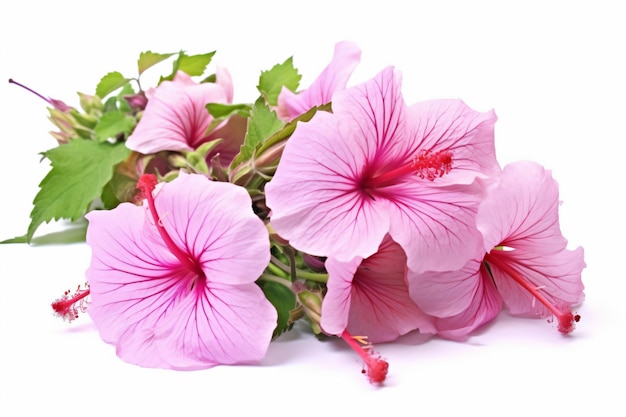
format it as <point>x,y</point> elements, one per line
<point>275,269</point>
<point>274,278</point>
<point>312,276</point>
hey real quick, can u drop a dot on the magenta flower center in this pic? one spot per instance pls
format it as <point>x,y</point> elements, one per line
<point>426,165</point>
<point>146,185</point>
<point>566,319</point>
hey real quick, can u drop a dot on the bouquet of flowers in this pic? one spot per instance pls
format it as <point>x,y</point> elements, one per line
<point>214,226</point>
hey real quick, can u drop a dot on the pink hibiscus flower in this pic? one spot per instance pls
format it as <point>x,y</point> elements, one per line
<point>173,282</point>
<point>176,118</point>
<point>371,297</point>
<point>332,79</point>
<point>375,166</point>
<point>527,266</point>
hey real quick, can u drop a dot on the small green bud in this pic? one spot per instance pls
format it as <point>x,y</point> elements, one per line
<point>312,304</point>
<point>84,133</point>
<point>90,103</point>
<point>84,119</point>
<point>178,161</point>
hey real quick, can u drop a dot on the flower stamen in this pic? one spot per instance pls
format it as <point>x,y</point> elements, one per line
<point>426,165</point>
<point>375,367</point>
<point>68,306</point>
<point>566,319</point>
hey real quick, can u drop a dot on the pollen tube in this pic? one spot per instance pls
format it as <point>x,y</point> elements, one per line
<point>565,318</point>
<point>426,165</point>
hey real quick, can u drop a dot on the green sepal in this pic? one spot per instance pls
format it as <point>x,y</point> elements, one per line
<point>121,188</point>
<point>284,300</point>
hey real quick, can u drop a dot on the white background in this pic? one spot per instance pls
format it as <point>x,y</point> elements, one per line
<point>553,71</point>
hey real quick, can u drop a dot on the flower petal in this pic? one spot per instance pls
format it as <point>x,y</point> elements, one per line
<point>149,303</point>
<point>448,293</point>
<point>334,78</point>
<point>451,125</point>
<point>485,305</point>
<point>175,118</point>
<point>215,224</point>
<point>216,325</point>
<point>370,297</point>
<point>316,195</point>
<point>522,210</point>
<point>556,275</point>
<point>436,226</point>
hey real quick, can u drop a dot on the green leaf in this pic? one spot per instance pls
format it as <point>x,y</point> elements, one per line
<point>109,83</point>
<point>221,110</point>
<point>74,233</point>
<point>148,59</point>
<point>289,127</point>
<point>284,300</point>
<point>263,124</point>
<point>193,64</point>
<point>80,169</point>
<point>273,80</point>
<point>112,124</point>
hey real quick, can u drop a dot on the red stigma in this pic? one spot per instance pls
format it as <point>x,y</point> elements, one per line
<point>429,165</point>
<point>67,307</point>
<point>567,322</point>
<point>375,368</point>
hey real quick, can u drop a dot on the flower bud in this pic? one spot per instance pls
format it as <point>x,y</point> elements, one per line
<point>311,302</point>
<point>90,104</point>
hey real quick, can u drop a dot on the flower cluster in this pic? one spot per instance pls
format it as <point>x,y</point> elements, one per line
<point>215,226</point>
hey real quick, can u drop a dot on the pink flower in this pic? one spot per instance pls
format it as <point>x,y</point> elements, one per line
<point>370,297</point>
<point>461,300</point>
<point>176,118</point>
<point>173,282</point>
<point>527,265</point>
<point>334,78</point>
<point>375,167</point>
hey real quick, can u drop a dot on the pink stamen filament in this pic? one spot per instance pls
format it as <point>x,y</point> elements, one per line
<point>566,318</point>
<point>425,165</point>
<point>376,367</point>
<point>146,184</point>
